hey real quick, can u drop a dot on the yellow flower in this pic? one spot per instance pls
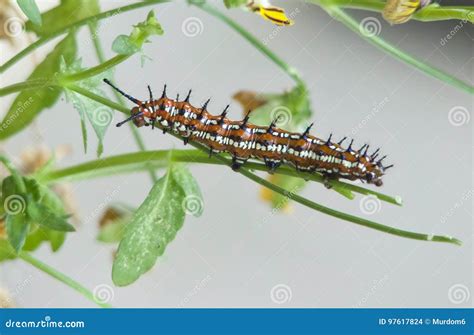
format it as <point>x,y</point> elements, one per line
<point>268,12</point>
<point>400,11</point>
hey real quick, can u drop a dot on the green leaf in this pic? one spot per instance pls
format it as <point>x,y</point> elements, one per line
<point>6,250</point>
<point>193,202</point>
<point>153,226</point>
<point>98,115</point>
<point>31,11</point>
<point>45,217</point>
<point>17,228</point>
<point>28,104</point>
<point>127,45</point>
<point>292,108</point>
<point>42,234</point>
<point>235,3</point>
<point>67,12</point>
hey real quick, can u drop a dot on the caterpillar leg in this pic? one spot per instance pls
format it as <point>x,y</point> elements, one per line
<point>272,165</point>
<point>327,180</point>
<point>237,163</point>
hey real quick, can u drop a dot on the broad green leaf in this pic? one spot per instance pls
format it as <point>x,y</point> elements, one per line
<point>28,104</point>
<point>98,115</point>
<point>45,217</point>
<point>153,226</point>
<point>67,12</point>
<point>6,250</point>
<point>127,45</point>
<point>17,226</point>
<point>235,3</point>
<point>193,202</point>
<point>31,11</point>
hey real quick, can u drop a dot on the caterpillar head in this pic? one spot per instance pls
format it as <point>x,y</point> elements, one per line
<point>137,113</point>
<point>375,172</point>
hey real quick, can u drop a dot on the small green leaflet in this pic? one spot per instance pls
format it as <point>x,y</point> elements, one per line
<point>154,225</point>
<point>31,11</point>
<point>17,228</point>
<point>98,115</point>
<point>28,104</point>
<point>128,45</point>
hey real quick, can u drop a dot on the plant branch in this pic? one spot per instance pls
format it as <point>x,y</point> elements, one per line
<point>96,70</point>
<point>349,217</point>
<point>158,159</point>
<point>73,26</point>
<point>348,21</point>
<point>61,277</point>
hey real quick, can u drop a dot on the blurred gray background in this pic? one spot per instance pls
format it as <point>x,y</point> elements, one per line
<point>240,253</point>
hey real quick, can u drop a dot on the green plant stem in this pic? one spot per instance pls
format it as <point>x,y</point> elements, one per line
<point>16,176</point>
<point>26,85</point>
<point>348,21</point>
<point>61,277</point>
<point>427,14</point>
<point>292,72</point>
<point>75,25</point>
<point>158,159</point>
<point>136,135</point>
<point>349,217</point>
<point>86,170</point>
<point>96,70</point>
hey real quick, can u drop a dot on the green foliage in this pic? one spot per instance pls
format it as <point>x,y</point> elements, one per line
<point>98,115</point>
<point>32,214</point>
<point>28,104</point>
<point>62,15</point>
<point>128,45</point>
<point>153,226</point>
<point>17,226</point>
<point>31,11</point>
<point>292,107</point>
<point>234,3</point>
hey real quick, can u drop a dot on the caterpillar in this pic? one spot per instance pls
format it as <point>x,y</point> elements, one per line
<point>244,140</point>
